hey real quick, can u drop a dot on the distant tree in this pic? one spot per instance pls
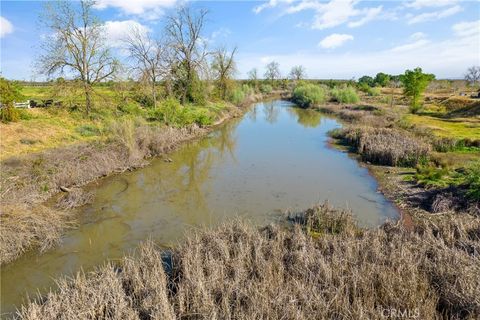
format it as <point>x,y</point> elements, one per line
<point>414,84</point>
<point>473,75</point>
<point>77,46</point>
<point>382,79</point>
<point>184,32</point>
<point>298,73</point>
<point>253,77</point>
<point>393,84</point>
<point>9,93</point>
<point>366,80</point>
<point>224,69</point>
<point>272,71</point>
<point>149,56</point>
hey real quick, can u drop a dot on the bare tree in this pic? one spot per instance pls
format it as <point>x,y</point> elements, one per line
<point>272,71</point>
<point>224,69</point>
<point>150,57</point>
<point>473,75</point>
<point>298,73</point>
<point>76,46</point>
<point>184,32</point>
<point>253,77</point>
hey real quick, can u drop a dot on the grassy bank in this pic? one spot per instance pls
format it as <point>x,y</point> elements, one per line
<point>323,267</point>
<point>104,143</point>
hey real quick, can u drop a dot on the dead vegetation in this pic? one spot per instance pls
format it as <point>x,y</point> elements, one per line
<point>23,227</point>
<point>385,146</point>
<point>324,267</point>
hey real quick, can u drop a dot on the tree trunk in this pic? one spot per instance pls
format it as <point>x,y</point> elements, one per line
<point>88,101</point>
<point>154,92</point>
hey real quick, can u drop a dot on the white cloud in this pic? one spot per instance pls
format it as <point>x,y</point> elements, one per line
<point>371,14</point>
<point>447,59</point>
<point>410,46</point>
<point>419,4</point>
<point>434,15</point>
<point>117,31</point>
<point>270,4</point>
<point>335,40</point>
<point>146,9</point>
<point>328,14</point>
<point>467,28</point>
<point>6,27</point>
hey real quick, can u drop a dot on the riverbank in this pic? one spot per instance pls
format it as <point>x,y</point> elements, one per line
<point>28,182</point>
<point>413,167</point>
<point>323,267</point>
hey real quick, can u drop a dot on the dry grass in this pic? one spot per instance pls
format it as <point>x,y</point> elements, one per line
<point>35,178</point>
<point>239,272</point>
<point>76,197</point>
<point>386,146</point>
<point>23,227</point>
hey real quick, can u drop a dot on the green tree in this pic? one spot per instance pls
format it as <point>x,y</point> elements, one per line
<point>184,32</point>
<point>414,84</point>
<point>366,80</point>
<point>9,93</point>
<point>382,79</point>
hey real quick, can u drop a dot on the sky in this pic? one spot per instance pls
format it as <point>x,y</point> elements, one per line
<point>332,39</point>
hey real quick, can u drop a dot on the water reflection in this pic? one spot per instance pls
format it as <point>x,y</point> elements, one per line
<point>306,117</point>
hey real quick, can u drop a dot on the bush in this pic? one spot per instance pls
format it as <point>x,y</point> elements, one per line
<point>266,88</point>
<point>308,94</point>
<point>9,114</point>
<point>472,181</point>
<point>344,95</point>
<point>237,96</point>
<point>174,114</point>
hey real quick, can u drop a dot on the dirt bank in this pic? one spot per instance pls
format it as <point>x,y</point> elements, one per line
<point>27,182</point>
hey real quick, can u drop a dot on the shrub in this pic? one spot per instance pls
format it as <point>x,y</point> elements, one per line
<point>237,96</point>
<point>9,114</point>
<point>172,113</point>
<point>266,88</point>
<point>308,94</point>
<point>9,92</point>
<point>472,181</point>
<point>344,95</point>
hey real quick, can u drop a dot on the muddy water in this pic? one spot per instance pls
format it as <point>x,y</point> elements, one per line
<point>275,158</point>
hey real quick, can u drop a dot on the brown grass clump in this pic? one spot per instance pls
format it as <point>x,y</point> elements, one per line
<point>76,197</point>
<point>23,228</point>
<point>240,272</point>
<point>386,146</point>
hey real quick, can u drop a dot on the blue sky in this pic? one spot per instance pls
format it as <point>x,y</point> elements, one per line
<point>331,39</point>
